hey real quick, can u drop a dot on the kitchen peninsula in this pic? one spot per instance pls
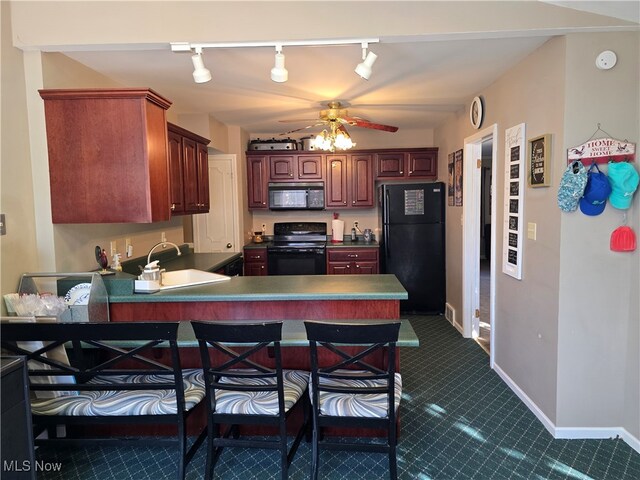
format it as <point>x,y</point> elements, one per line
<point>266,298</point>
<point>282,297</point>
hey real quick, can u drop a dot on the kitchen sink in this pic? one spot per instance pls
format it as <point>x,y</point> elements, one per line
<point>178,279</point>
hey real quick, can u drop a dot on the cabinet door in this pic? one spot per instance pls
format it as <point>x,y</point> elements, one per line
<point>203,178</point>
<point>310,167</point>
<point>390,165</point>
<point>339,268</point>
<point>336,185</point>
<point>257,181</point>
<point>424,164</point>
<point>366,268</point>
<point>361,180</point>
<point>190,158</point>
<point>176,173</point>
<point>255,269</point>
<point>281,167</point>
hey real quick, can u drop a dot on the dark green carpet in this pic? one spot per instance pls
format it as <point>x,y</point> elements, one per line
<point>459,421</point>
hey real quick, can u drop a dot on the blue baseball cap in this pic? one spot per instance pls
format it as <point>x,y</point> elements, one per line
<point>596,192</point>
<point>624,181</point>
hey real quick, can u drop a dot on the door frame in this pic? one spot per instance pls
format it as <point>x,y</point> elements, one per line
<point>472,176</point>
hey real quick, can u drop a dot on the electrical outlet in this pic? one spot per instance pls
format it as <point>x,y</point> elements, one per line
<point>355,224</point>
<point>163,237</point>
<point>113,248</point>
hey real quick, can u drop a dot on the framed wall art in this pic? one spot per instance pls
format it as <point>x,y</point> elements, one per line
<point>450,188</point>
<point>513,213</point>
<point>538,159</point>
<point>458,176</point>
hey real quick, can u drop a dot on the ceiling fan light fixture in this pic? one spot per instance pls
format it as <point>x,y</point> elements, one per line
<point>200,73</point>
<point>338,138</point>
<point>278,72</point>
<point>364,69</point>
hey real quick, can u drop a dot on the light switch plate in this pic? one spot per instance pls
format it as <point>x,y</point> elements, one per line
<point>532,230</point>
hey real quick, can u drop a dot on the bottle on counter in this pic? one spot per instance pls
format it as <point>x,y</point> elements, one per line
<point>354,237</point>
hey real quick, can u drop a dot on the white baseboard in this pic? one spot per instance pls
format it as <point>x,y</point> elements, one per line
<point>568,432</point>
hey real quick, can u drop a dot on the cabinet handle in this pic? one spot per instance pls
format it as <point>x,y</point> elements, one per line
<point>229,245</point>
<point>264,203</point>
<point>357,266</point>
<point>262,267</point>
<point>401,171</point>
<point>291,174</point>
<point>353,202</point>
<point>345,202</point>
<point>257,256</point>
<point>173,206</point>
<point>353,255</point>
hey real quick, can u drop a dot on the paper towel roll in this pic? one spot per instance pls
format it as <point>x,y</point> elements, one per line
<point>337,230</point>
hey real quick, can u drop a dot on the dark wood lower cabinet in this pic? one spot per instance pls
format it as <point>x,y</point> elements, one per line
<point>17,438</point>
<point>355,261</point>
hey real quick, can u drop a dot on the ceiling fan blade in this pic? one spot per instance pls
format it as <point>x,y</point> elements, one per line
<point>358,122</point>
<point>303,128</point>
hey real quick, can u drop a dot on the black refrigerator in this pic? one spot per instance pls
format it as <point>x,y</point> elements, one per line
<point>412,242</point>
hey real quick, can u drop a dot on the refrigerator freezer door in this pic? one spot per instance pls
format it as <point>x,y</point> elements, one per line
<point>413,203</point>
<point>415,254</point>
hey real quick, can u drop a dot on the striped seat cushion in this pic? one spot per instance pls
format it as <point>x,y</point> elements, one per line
<point>261,403</point>
<point>125,402</point>
<point>357,405</point>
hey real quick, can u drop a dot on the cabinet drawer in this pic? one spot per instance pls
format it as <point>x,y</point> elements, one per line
<point>255,255</point>
<point>360,254</point>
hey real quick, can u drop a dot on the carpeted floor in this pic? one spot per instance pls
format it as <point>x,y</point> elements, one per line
<point>459,421</point>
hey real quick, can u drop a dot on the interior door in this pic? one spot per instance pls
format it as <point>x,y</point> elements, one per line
<point>216,231</point>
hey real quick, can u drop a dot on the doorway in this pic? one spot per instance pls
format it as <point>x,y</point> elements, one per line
<point>480,155</point>
<point>217,230</point>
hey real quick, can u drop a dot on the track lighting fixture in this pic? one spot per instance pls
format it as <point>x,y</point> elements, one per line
<point>200,73</point>
<point>364,69</point>
<point>278,72</point>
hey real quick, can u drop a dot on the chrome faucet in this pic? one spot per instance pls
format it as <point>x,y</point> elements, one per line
<point>163,245</point>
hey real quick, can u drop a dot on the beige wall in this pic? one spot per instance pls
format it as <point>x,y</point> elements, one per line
<point>567,333</point>
<point>598,316</point>
<point>18,246</point>
<point>530,93</point>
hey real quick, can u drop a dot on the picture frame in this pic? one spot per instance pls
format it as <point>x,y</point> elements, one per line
<point>458,177</point>
<point>538,159</point>
<point>451,187</point>
<point>515,167</point>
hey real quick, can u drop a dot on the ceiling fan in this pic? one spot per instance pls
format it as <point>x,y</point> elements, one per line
<point>336,116</point>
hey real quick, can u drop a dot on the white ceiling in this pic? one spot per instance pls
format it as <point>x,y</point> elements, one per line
<point>415,84</point>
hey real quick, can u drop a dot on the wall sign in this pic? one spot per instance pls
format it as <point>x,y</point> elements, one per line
<point>539,156</point>
<point>513,214</point>
<point>602,150</point>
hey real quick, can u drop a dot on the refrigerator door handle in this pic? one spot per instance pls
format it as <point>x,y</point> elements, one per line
<point>387,208</point>
<point>386,242</point>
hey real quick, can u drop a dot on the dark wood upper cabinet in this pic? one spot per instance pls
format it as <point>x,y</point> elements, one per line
<point>107,155</point>
<point>349,177</point>
<point>257,181</point>
<point>407,163</point>
<point>188,163</point>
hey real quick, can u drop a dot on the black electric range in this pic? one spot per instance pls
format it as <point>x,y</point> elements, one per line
<point>298,248</point>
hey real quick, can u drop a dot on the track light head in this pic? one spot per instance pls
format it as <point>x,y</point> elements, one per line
<point>278,72</point>
<point>200,73</point>
<point>364,69</point>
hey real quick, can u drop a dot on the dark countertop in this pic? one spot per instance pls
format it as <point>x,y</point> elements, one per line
<point>347,243</point>
<point>278,287</point>
<point>209,262</point>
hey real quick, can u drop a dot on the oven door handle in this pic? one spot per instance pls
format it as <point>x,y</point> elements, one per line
<point>295,250</point>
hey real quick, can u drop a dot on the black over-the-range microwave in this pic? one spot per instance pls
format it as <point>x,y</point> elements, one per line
<point>296,196</point>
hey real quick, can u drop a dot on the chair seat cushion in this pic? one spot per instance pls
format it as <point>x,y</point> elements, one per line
<point>125,402</point>
<point>357,405</point>
<point>261,403</point>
